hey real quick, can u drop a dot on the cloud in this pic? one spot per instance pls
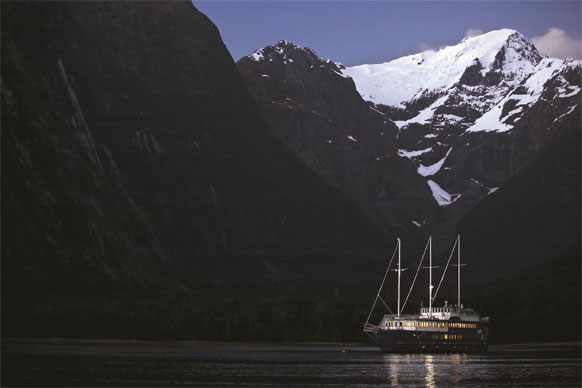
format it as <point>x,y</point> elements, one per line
<point>423,46</point>
<point>471,32</point>
<point>557,43</point>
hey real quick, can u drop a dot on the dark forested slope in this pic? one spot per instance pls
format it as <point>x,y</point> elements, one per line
<point>525,249</point>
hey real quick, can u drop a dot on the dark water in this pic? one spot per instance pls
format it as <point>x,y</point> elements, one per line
<point>26,363</point>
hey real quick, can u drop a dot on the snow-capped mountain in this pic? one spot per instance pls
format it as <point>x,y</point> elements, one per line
<point>440,100</point>
<point>498,56</point>
<point>464,119</point>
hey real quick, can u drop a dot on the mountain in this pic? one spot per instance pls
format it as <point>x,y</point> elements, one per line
<point>466,119</point>
<point>472,115</point>
<point>140,184</point>
<point>316,111</point>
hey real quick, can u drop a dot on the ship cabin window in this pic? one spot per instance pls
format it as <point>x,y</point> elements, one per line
<point>464,325</point>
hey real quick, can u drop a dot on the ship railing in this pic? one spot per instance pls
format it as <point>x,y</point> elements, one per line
<point>369,328</point>
<point>394,317</point>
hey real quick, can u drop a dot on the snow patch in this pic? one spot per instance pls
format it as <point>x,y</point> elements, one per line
<point>490,190</point>
<point>433,168</point>
<point>566,94</point>
<point>490,121</point>
<point>442,197</point>
<point>570,110</point>
<point>450,117</point>
<point>257,55</point>
<point>411,154</point>
<point>376,110</point>
<point>423,116</point>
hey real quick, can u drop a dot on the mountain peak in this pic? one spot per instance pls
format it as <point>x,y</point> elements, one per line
<point>286,52</point>
<point>283,49</point>
<point>499,35</point>
<point>505,52</point>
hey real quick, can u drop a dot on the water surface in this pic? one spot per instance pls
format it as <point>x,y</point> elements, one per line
<point>58,363</point>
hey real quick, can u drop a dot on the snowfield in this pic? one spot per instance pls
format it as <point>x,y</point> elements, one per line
<point>403,79</point>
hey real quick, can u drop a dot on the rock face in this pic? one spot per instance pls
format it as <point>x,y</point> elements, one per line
<point>314,109</point>
<point>468,118</point>
<point>132,155</point>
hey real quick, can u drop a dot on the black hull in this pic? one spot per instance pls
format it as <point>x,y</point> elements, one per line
<point>404,341</point>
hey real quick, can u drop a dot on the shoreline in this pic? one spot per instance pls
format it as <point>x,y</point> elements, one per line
<point>189,343</point>
<point>186,343</point>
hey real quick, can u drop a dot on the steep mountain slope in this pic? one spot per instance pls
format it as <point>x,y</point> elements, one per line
<point>133,158</point>
<point>534,217</point>
<point>318,113</point>
<point>523,247</point>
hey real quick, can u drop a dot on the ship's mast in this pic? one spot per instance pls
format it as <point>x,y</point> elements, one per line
<point>430,276</point>
<point>399,272</point>
<point>459,270</point>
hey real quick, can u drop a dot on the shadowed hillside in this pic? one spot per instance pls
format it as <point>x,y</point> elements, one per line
<point>135,166</point>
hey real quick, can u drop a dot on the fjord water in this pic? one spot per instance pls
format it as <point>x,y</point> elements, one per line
<point>35,363</point>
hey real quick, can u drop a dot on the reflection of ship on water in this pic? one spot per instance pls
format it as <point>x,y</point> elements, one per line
<point>426,370</point>
<point>451,328</point>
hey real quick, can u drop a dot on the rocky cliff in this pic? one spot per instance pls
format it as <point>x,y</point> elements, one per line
<point>134,158</point>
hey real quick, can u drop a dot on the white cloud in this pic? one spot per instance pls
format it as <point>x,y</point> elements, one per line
<point>557,43</point>
<point>423,46</point>
<point>471,32</point>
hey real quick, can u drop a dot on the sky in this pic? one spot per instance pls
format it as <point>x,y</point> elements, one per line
<point>358,32</point>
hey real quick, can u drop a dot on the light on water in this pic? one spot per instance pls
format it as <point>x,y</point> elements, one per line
<point>30,363</point>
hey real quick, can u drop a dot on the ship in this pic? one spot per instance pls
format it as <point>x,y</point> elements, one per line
<point>451,328</point>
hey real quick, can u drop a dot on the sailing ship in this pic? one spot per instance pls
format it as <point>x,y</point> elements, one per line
<point>446,329</point>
